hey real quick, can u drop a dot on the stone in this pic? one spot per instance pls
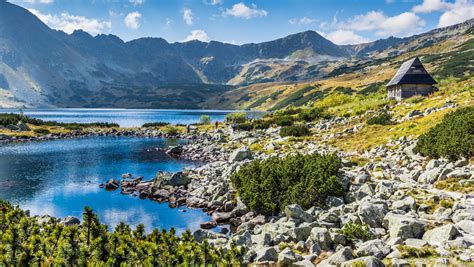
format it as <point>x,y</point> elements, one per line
<point>240,154</point>
<point>70,221</point>
<point>175,151</point>
<point>303,263</point>
<point>432,164</point>
<point>201,234</point>
<point>286,257</point>
<point>22,126</point>
<point>178,179</point>
<point>439,235</point>
<point>322,237</point>
<point>262,240</point>
<point>369,261</point>
<point>221,217</point>
<point>365,190</point>
<point>266,254</point>
<point>406,204</point>
<point>466,226</point>
<point>342,255</point>
<point>375,248</point>
<point>244,239</point>
<point>416,243</point>
<point>334,201</point>
<point>111,185</point>
<point>372,212</point>
<point>299,233</point>
<point>430,176</point>
<point>404,227</point>
<point>208,225</point>
<point>296,212</point>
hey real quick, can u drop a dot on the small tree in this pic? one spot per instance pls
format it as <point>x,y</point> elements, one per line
<point>205,119</point>
<point>236,117</point>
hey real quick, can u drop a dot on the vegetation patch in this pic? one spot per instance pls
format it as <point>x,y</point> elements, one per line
<point>354,231</point>
<point>412,252</point>
<point>267,186</point>
<point>294,130</point>
<point>455,185</point>
<point>25,242</point>
<point>236,117</point>
<point>41,131</point>
<point>382,118</point>
<point>452,138</point>
<point>292,98</point>
<point>155,124</point>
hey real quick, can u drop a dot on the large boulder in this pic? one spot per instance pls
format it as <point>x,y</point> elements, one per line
<point>241,154</point>
<point>439,235</point>
<point>70,221</point>
<point>372,212</point>
<point>405,204</point>
<point>175,151</point>
<point>111,185</point>
<point>466,226</point>
<point>338,258</point>
<point>266,254</point>
<point>294,211</point>
<point>322,237</point>
<point>402,226</point>
<point>369,261</point>
<point>175,179</point>
<point>376,248</point>
<point>430,176</point>
<point>287,257</point>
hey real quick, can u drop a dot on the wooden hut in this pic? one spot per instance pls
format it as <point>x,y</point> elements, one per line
<point>411,79</point>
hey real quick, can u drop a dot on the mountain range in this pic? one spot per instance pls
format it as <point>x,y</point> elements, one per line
<point>41,67</point>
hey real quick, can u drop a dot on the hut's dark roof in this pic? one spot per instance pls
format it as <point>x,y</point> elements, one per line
<point>412,72</point>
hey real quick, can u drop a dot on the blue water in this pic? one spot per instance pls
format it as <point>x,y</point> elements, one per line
<point>124,117</point>
<point>60,177</point>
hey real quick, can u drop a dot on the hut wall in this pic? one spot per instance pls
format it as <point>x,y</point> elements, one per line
<point>409,90</point>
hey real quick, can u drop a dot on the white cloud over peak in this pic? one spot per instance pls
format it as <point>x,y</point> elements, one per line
<point>428,6</point>
<point>199,35</point>
<point>212,2</point>
<point>302,21</point>
<point>188,16</point>
<point>460,11</point>
<point>68,23</point>
<point>132,20</point>
<point>344,37</point>
<point>404,24</point>
<point>240,10</point>
<point>137,2</point>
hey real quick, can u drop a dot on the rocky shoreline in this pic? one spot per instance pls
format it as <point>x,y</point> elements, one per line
<point>392,193</point>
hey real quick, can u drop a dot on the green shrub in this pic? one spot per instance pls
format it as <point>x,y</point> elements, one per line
<point>413,252</point>
<point>354,231</point>
<point>294,130</point>
<point>41,131</point>
<point>267,186</point>
<point>205,119</point>
<point>236,117</point>
<point>261,124</point>
<point>26,242</point>
<point>170,130</point>
<point>245,126</point>
<point>285,120</point>
<point>383,118</point>
<point>9,118</point>
<point>155,124</point>
<point>452,138</point>
<point>312,114</point>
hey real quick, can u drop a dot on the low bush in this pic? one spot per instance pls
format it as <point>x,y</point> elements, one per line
<point>205,119</point>
<point>354,231</point>
<point>170,130</point>
<point>155,124</point>
<point>41,131</point>
<point>413,252</point>
<point>9,118</point>
<point>267,186</point>
<point>236,117</point>
<point>383,118</point>
<point>452,138</point>
<point>285,120</point>
<point>312,114</point>
<point>294,130</point>
<point>245,126</point>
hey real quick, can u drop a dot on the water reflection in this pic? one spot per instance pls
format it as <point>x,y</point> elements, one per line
<point>60,177</point>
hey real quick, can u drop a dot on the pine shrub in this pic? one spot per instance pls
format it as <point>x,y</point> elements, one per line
<point>267,186</point>
<point>294,130</point>
<point>452,138</point>
<point>383,118</point>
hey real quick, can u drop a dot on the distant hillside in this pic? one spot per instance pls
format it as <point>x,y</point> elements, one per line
<point>41,67</point>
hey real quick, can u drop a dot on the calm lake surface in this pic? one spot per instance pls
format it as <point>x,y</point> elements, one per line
<point>124,117</point>
<point>60,177</point>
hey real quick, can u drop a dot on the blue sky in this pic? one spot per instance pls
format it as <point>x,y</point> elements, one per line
<point>245,21</point>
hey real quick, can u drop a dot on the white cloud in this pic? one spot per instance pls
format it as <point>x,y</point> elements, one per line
<point>344,37</point>
<point>188,16</point>
<point>432,5</point>
<point>302,21</point>
<point>68,23</point>
<point>132,20</point>
<point>462,10</point>
<point>241,10</point>
<point>401,25</point>
<point>212,2</point>
<point>197,35</point>
<point>136,2</point>
<point>39,1</point>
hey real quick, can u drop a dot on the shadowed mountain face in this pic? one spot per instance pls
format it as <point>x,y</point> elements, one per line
<point>44,67</point>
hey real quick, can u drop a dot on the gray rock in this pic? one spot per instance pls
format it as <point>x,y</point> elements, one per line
<point>466,226</point>
<point>439,235</point>
<point>375,248</point>
<point>430,176</point>
<point>369,261</point>
<point>299,233</point>
<point>165,178</point>
<point>241,154</point>
<point>266,254</point>
<point>406,204</point>
<point>303,263</point>
<point>334,201</point>
<point>111,185</point>
<point>402,226</point>
<point>372,212</point>
<point>262,240</point>
<point>432,164</point>
<point>175,151</point>
<point>286,257</point>
<point>342,255</point>
<point>244,239</point>
<point>385,189</point>
<point>70,221</point>
<point>295,211</point>
<point>416,243</point>
<point>322,237</point>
